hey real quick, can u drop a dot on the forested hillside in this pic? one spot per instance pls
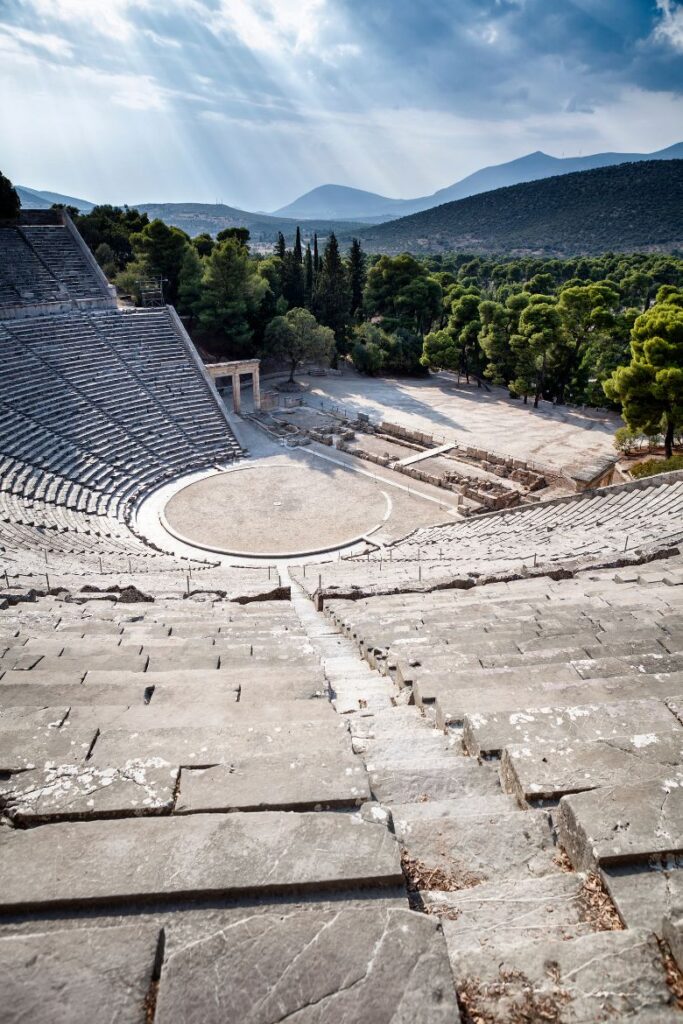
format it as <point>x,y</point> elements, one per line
<point>628,208</point>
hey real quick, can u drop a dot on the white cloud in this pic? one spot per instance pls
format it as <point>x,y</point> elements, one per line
<point>272,26</point>
<point>106,17</point>
<point>670,28</point>
<point>23,38</point>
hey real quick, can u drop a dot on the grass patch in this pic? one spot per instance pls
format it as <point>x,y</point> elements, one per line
<point>654,466</point>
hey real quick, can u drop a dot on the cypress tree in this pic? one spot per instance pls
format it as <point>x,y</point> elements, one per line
<point>298,258</point>
<point>280,247</point>
<point>356,278</point>
<point>316,256</point>
<point>308,275</point>
<point>331,292</point>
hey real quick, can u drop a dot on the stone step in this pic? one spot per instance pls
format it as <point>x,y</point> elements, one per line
<point>487,734</point>
<point>612,975</point>
<point>335,965</point>
<point>512,845</point>
<point>536,772</point>
<point>22,749</point>
<point>622,823</point>
<point>134,859</point>
<point>644,894</point>
<point>404,816</point>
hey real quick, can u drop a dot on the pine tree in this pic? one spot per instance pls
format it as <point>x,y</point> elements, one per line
<point>357,278</point>
<point>280,246</point>
<point>331,292</point>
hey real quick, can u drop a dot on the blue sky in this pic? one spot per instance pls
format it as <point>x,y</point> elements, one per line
<point>252,102</point>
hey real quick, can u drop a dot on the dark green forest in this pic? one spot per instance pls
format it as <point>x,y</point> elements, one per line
<point>627,208</point>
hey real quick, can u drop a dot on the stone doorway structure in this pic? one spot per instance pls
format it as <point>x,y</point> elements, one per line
<point>234,370</point>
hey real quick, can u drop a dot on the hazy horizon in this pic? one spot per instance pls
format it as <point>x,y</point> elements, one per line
<point>254,102</point>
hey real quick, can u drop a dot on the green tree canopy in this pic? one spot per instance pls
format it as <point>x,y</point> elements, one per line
<point>650,388</point>
<point>9,200</point>
<point>232,292</point>
<point>162,248</point>
<point>297,337</point>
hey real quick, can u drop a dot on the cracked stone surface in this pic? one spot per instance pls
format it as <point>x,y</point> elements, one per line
<point>297,782</point>
<point>513,911</point>
<point>383,966</point>
<point>601,977</point>
<point>81,791</point>
<point>622,823</point>
<point>536,772</point>
<point>135,858</point>
<point>644,894</point>
<point>489,734</point>
<point>511,845</point>
<point>78,976</point>
<point>41,747</point>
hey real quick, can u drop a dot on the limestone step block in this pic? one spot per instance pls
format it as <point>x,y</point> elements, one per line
<point>131,859</point>
<point>514,845</point>
<point>174,659</point>
<point>555,906</point>
<point>256,690</point>
<point>558,641</point>
<point>36,676</point>
<point>87,627</point>
<point>110,661</point>
<point>379,965</point>
<point>181,682</point>
<point>206,747</point>
<point>404,816</point>
<point>71,694</point>
<point>644,894</point>
<point>557,655</point>
<point>77,976</point>
<point>77,792</point>
<point>21,749</point>
<point>673,934</point>
<point>26,716</point>
<point>619,666</point>
<point>422,746</point>
<point>536,772</point>
<point>487,734</point>
<point>621,824</point>
<point>459,778</point>
<point>430,686</point>
<point>613,975</point>
<point>15,659</point>
<point>451,711</point>
<point>288,783</point>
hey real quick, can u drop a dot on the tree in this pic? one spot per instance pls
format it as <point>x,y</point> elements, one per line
<point>356,277</point>
<point>293,286</point>
<point>331,301</point>
<point>203,243</point>
<point>106,257</point>
<point>297,337</point>
<point>494,339</point>
<point>308,275</point>
<point>232,291</point>
<point>650,388</point>
<point>539,338</point>
<point>399,288</point>
<point>441,351</point>
<point>587,316</point>
<point>162,248</point>
<point>9,200</point>
<point>190,283</point>
<point>241,234</point>
<point>113,226</point>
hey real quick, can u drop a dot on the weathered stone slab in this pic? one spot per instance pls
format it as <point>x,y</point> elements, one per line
<point>177,659</point>
<point>31,716</point>
<point>516,845</point>
<point>622,823</point>
<point>404,816</point>
<point>645,893</point>
<point>488,734</point>
<point>200,854</point>
<point>461,777</point>
<point>298,783</point>
<point>111,661</point>
<point>615,975</point>
<point>21,749</point>
<point>256,691</point>
<point>381,965</point>
<point>71,694</point>
<point>81,791</point>
<point>518,911</point>
<point>205,747</point>
<point>537,772</point>
<point>37,676</point>
<point>673,933</point>
<point>78,976</point>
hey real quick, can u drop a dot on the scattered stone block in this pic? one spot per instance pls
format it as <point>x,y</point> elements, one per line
<point>644,894</point>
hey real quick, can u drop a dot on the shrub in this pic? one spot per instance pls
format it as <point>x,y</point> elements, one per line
<point>654,466</point>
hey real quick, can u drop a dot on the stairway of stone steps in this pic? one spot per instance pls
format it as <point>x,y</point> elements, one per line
<point>528,936</point>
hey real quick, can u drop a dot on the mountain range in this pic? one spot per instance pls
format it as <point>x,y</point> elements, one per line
<point>633,207</point>
<point>34,199</point>
<point>338,202</point>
